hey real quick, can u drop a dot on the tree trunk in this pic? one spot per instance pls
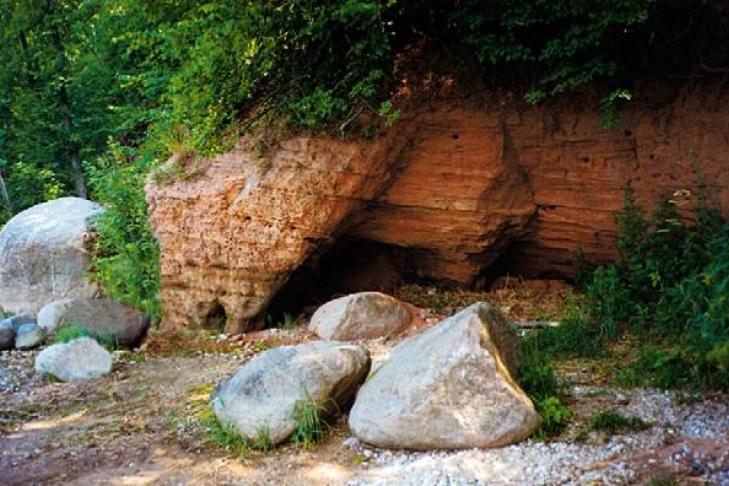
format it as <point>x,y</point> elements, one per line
<point>78,175</point>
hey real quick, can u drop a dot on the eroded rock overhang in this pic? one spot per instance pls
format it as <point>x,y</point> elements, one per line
<point>450,189</point>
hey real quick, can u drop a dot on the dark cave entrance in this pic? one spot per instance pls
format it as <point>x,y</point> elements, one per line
<point>215,318</point>
<point>350,265</point>
<point>354,265</point>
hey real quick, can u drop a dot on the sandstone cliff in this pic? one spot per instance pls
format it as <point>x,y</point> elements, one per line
<point>453,186</point>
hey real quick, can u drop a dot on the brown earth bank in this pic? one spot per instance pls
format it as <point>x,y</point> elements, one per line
<point>456,190</point>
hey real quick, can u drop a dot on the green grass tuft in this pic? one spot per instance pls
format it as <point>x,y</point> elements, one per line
<point>612,422</point>
<point>70,332</point>
<point>310,427</point>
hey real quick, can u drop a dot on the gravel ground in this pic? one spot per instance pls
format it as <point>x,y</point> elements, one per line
<point>669,447</point>
<point>688,439</point>
<point>16,371</point>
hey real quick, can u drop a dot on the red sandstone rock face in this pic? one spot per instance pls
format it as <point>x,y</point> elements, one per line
<point>453,186</point>
<point>231,237</point>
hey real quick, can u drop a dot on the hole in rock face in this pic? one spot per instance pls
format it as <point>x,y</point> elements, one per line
<point>216,318</point>
<point>522,260</point>
<point>455,136</point>
<point>346,267</point>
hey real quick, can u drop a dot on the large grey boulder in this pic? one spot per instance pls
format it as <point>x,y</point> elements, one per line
<point>9,328</point>
<point>29,336</point>
<point>450,387</point>
<point>364,315</point>
<point>44,254</point>
<point>78,360</point>
<point>100,316</point>
<point>261,396</point>
<point>51,315</point>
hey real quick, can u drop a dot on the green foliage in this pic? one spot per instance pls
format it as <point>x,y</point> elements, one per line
<point>669,287</point>
<point>538,379</point>
<point>310,427</point>
<point>575,336</point>
<point>612,422</point>
<point>555,417</point>
<point>225,437</point>
<point>126,263</point>
<point>70,332</point>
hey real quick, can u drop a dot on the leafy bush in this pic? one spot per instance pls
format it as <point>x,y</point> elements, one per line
<point>669,287</point>
<point>70,332</point>
<point>575,336</point>
<point>126,262</point>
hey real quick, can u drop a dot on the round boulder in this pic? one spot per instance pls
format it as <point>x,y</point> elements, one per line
<point>51,315</point>
<point>29,336</point>
<point>78,360</point>
<point>44,254</point>
<point>99,316</point>
<point>262,396</point>
<point>450,387</point>
<point>364,315</point>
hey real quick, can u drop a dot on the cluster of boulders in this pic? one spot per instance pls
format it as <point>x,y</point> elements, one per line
<point>452,386</point>
<point>44,262</point>
<point>20,332</point>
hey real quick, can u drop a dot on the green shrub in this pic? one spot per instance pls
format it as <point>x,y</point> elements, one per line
<point>670,288</point>
<point>538,379</point>
<point>575,336</point>
<point>555,417</point>
<point>126,260</point>
<point>70,332</point>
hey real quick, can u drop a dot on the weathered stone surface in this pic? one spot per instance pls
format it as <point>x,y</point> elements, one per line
<point>261,396</point>
<point>78,360</point>
<point>44,254</point>
<point>51,315</point>
<point>364,315</point>
<point>100,316</point>
<point>450,387</point>
<point>29,336</point>
<point>451,187</point>
<point>231,236</point>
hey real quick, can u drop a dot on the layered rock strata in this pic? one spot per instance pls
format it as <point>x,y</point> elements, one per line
<point>454,186</point>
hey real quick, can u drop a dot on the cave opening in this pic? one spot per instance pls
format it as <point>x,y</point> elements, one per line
<point>522,259</point>
<point>354,265</point>
<point>216,318</point>
<point>350,265</point>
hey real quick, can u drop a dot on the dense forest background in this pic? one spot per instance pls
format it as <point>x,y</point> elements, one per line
<point>96,93</point>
